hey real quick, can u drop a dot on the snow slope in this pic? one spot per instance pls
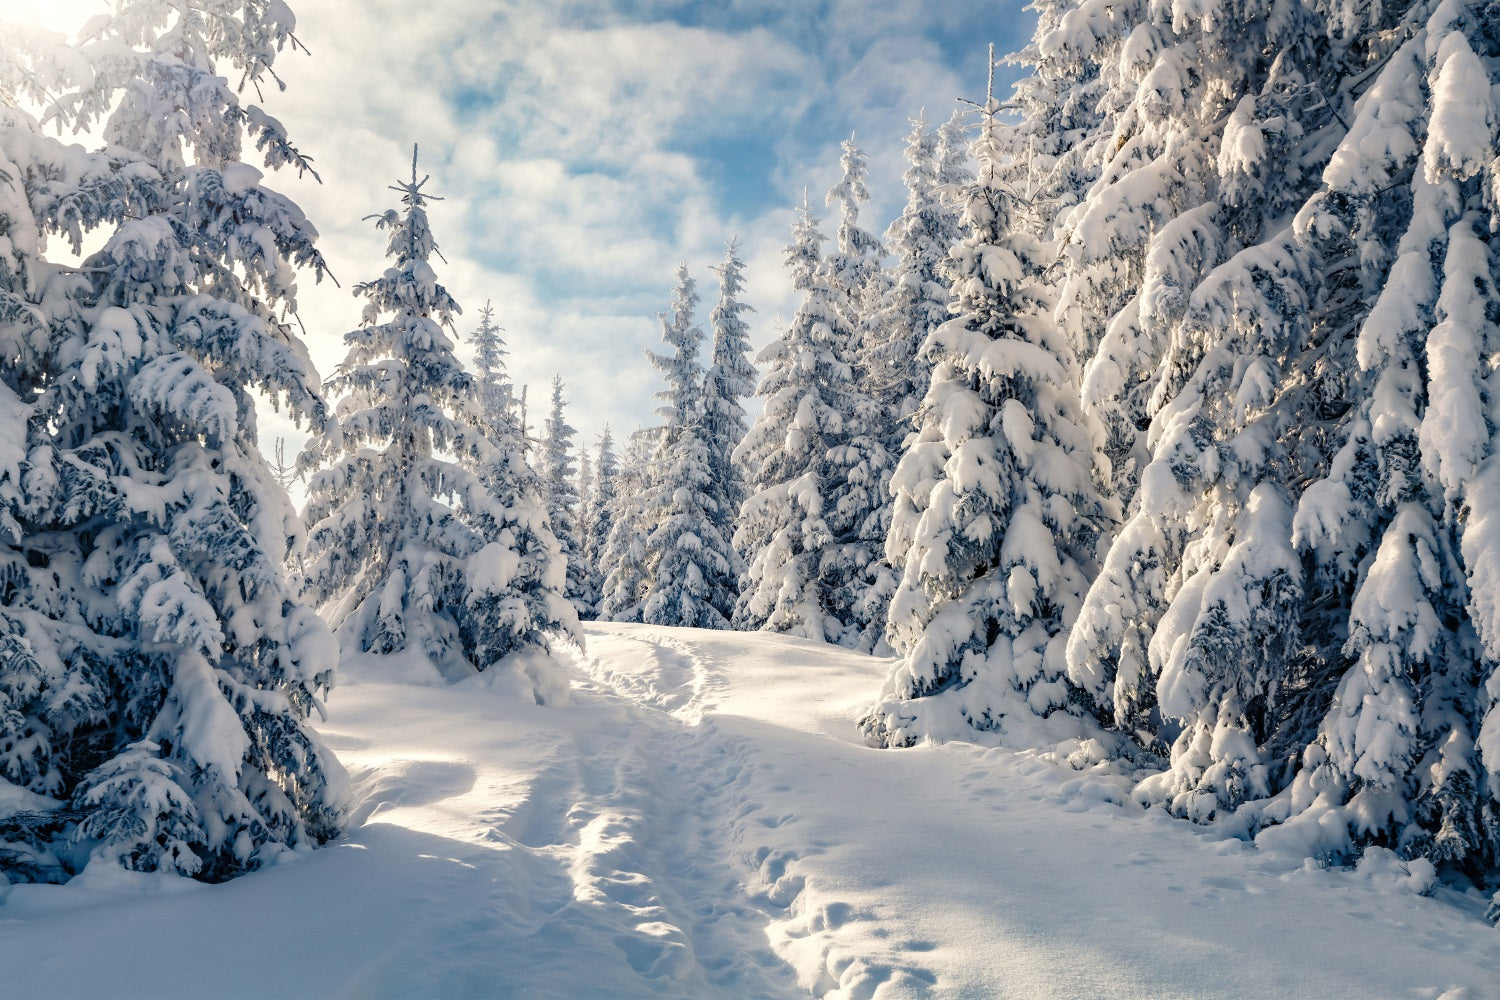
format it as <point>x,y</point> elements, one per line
<point>700,821</point>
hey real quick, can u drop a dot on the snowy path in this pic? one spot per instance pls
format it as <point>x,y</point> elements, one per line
<point>630,810</point>
<point>958,871</point>
<point>700,822</point>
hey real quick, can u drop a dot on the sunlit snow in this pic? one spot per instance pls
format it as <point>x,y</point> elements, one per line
<point>701,821</point>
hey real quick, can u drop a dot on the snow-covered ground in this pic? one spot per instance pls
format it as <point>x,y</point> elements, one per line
<point>701,821</point>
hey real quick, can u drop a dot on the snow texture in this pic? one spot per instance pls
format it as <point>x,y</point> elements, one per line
<point>701,824</point>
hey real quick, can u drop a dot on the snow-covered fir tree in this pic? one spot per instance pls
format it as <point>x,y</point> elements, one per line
<point>1281,275</point>
<point>156,667</point>
<point>1400,526</point>
<point>593,580</point>
<point>496,398</point>
<point>813,529</point>
<point>559,479</point>
<point>856,580</point>
<point>730,380</point>
<point>689,563</point>
<point>1198,602</point>
<point>35,173</point>
<point>915,301</point>
<point>782,532</point>
<point>429,539</point>
<point>623,557</point>
<point>955,166</point>
<point>595,535</point>
<point>996,510</point>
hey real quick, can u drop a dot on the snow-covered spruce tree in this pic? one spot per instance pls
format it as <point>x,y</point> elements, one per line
<point>493,388</point>
<point>592,579</point>
<point>955,165</point>
<point>915,300</point>
<point>1186,375</point>
<point>428,539</point>
<point>856,580</point>
<point>1204,575</point>
<point>561,491</point>
<point>520,578</point>
<point>600,507</point>
<point>623,557</point>
<point>782,532</point>
<point>730,379</point>
<point>689,565</point>
<point>1400,527</point>
<point>996,510</point>
<point>501,414</point>
<point>54,683</point>
<point>156,668</point>
<point>511,479</point>
<point>1282,259</point>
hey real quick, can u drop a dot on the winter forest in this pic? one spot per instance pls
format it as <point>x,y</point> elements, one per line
<point>1145,468</point>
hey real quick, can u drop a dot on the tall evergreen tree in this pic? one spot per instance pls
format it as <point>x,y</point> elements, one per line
<point>996,511</point>
<point>156,668</point>
<point>1282,276</point>
<point>429,537</point>
<point>913,303</point>
<point>689,563</point>
<point>54,677</point>
<point>593,580</point>
<point>1227,296</point>
<point>730,379</point>
<point>558,474</point>
<point>1183,358</point>
<point>916,298</point>
<point>495,394</point>
<point>595,536</point>
<point>782,528</point>
<point>1404,222</point>
<point>856,581</point>
<point>626,584</point>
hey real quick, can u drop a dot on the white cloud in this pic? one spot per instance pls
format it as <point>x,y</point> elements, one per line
<point>610,94</point>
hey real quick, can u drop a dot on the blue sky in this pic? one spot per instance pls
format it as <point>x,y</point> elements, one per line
<point>585,148</point>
